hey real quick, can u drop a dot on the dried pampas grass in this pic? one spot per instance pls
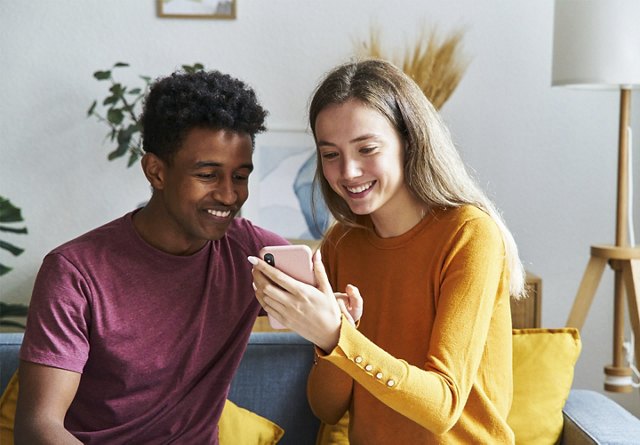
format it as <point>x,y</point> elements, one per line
<point>434,63</point>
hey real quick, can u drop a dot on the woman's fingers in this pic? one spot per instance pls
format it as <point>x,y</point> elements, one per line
<point>350,303</point>
<point>356,304</point>
<point>345,310</point>
<point>322,280</point>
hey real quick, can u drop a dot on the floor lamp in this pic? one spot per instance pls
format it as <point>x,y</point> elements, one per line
<point>596,45</point>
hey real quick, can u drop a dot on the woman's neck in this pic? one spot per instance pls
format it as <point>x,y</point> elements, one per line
<point>396,221</point>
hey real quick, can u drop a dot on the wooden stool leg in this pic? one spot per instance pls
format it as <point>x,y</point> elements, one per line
<point>586,291</point>
<point>631,271</point>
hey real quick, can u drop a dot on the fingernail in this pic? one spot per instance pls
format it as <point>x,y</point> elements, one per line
<point>254,286</point>
<point>253,260</point>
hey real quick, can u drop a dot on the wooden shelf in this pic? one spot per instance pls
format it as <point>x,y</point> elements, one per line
<point>527,312</point>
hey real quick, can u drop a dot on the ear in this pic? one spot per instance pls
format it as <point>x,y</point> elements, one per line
<point>154,169</point>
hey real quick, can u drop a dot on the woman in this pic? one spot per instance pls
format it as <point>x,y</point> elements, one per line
<point>430,360</point>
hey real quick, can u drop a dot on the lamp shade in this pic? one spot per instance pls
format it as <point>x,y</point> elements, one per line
<point>596,44</point>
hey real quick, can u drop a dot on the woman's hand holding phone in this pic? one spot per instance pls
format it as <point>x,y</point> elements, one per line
<point>295,261</point>
<point>312,311</point>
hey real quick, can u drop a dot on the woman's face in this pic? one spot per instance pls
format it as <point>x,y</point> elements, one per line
<point>362,159</point>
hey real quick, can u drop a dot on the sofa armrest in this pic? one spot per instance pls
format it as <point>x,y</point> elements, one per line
<point>592,418</point>
<point>9,348</point>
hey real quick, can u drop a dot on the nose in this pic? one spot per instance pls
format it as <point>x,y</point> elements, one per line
<point>225,192</point>
<point>350,168</point>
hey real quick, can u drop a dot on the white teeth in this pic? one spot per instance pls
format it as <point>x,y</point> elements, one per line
<point>218,213</point>
<point>360,188</point>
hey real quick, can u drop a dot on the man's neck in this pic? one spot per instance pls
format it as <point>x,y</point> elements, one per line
<point>153,225</point>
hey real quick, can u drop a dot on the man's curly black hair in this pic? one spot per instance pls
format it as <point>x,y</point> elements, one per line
<point>205,99</point>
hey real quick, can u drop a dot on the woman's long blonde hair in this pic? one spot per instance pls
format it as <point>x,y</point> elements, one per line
<point>433,169</point>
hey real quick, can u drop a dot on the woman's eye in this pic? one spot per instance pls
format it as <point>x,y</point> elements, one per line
<point>366,150</point>
<point>329,155</point>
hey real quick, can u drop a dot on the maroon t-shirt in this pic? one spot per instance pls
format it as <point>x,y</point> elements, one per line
<point>157,337</point>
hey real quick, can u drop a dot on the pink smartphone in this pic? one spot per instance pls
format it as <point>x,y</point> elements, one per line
<point>294,260</point>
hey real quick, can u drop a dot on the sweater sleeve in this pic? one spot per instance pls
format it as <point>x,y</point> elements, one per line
<point>434,395</point>
<point>329,390</point>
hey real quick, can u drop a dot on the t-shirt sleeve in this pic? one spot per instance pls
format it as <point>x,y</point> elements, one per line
<point>268,238</point>
<point>57,325</point>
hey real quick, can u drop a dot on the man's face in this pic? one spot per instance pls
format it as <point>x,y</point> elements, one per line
<point>205,185</point>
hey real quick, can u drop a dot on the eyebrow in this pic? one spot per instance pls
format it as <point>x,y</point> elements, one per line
<point>209,164</point>
<point>364,137</point>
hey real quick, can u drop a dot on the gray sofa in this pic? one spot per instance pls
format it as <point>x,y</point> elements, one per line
<point>271,381</point>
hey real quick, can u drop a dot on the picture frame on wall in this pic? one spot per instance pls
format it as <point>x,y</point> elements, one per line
<point>280,187</point>
<point>197,9</point>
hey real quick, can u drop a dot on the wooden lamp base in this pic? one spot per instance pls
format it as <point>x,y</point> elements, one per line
<point>625,261</point>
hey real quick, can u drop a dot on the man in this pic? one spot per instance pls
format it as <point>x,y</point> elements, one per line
<point>136,328</point>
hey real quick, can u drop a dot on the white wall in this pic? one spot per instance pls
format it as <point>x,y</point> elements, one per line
<point>547,156</point>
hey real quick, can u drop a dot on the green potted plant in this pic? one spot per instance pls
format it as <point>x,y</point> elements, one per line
<point>10,215</point>
<point>120,111</point>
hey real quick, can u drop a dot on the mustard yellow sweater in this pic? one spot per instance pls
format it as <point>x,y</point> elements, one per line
<point>431,359</point>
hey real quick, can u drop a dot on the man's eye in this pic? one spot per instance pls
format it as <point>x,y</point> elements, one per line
<point>206,175</point>
<point>241,178</point>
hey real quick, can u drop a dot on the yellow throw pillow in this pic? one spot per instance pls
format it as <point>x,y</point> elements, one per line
<point>337,434</point>
<point>237,426</point>
<point>543,362</point>
<point>8,410</point>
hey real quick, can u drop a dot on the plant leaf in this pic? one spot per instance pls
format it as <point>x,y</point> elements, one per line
<point>120,151</point>
<point>126,134</point>
<point>4,269</point>
<point>13,310</point>
<point>120,64</point>
<point>102,75</point>
<point>115,116</point>
<point>8,212</point>
<point>21,231</point>
<point>135,91</point>
<point>15,250</point>
<point>110,100</point>
<point>133,157</point>
<point>193,68</point>
<point>93,107</point>
<point>12,323</point>
<point>117,89</point>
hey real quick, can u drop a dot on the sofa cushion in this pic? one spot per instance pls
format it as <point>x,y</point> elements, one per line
<point>8,410</point>
<point>543,362</point>
<point>237,426</point>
